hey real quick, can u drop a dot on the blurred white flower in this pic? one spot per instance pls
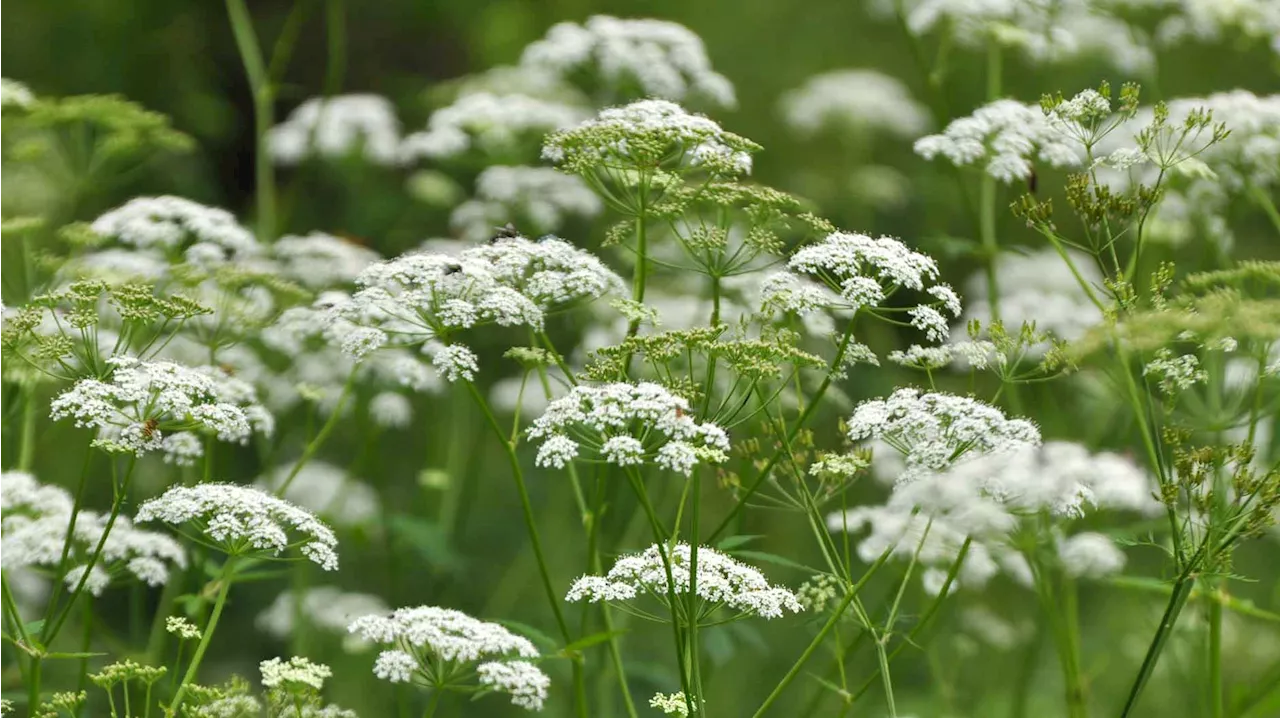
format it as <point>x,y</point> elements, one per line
<point>854,100</point>
<point>337,127</point>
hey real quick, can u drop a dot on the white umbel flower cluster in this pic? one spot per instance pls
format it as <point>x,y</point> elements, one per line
<point>323,607</point>
<point>34,526</point>
<point>328,491</point>
<point>1214,20</point>
<point>861,271</point>
<point>1037,287</point>
<point>653,58</point>
<point>524,682</point>
<point>933,430</point>
<point>643,134</point>
<point>279,674</point>
<point>1043,30</point>
<point>143,402</point>
<point>15,94</point>
<point>550,271</point>
<point>336,127</point>
<point>425,636</point>
<point>424,298</point>
<point>626,425</point>
<point>1003,138</point>
<point>244,520</point>
<point>488,123</point>
<point>540,196</point>
<point>175,228</point>
<point>987,497</point>
<point>721,581</point>
<point>861,100</point>
<point>321,261</point>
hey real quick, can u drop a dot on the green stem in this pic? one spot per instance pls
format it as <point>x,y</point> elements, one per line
<point>1216,694</point>
<point>50,631</point>
<point>1177,599</point>
<point>263,100</point>
<point>924,619</point>
<point>320,436</point>
<point>660,537</point>
<point>433,703</point>
<point>535,541</point>
<point>224,587</point>
<point>1265,202</point>
<point>809,410</point>
<point>26,449</point>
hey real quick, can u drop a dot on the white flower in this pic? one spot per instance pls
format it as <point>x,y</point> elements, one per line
<point>1045,30</point>
<point>721,580</point>
<point>526,683</point>
<point>168,225</point>
<point>674,704</point>
<point>182,628</point>
<point>336,127</point>
<point>550,271</point>
<point>455,362</point>
<point>391,410</point>
<point>933,430</point>
<point>857,271</point>
<point>422,637</point>
<point>1175,373</point>
<point>1004,137</point>
<point>15,94</point>
<point>646,132</point>
<point>854,99</point>
<point>277,673</point>
<point>1090,555</point>
<point>33,528</point>
<point>626,424</point>
<point>242,520</point>
<point>488,123</point>
<point>662,59</point>
<point>541,196</point>
<point>328,491</point>
<point>143,400</point>
<point>324,607</point>
<point>1040,288</point>
<point>419,297</point>
<point>321,261</point>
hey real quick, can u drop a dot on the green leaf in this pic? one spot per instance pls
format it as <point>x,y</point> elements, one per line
<point>33,628</point>
<point>729,543</point>
<point>593,639</point>
<point>774,559</point>
<point>78,654</point>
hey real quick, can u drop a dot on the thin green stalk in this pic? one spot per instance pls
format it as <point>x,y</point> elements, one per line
<point>535,541</point>
<point>335,22</point>
<point>433,703</point>
<point>50,631</point>
<point>1265,202</point>
<point>27,447</point>
<point>660,537</point>
<point>924,619</point>
<point>1177,600</point>
<point>224,587</point>
<point>691,638</point>
<point>1217,697</point>
<point>263,99</point>
<point>809,410</point>
<point>822,634</point>
<point>320,436</point>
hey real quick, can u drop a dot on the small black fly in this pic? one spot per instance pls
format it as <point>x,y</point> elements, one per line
<point>507,231</point>
<point>452,268</point>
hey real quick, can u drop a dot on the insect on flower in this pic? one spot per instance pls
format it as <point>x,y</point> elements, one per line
<point>506,231</point>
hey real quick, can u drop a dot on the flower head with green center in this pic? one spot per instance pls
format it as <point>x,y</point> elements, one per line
<point>245,521</point>
<point>722,581</point>
<point>648,135</point>
<point>446,649</point>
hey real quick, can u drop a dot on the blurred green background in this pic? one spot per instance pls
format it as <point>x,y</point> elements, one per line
<point>178,57</point>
